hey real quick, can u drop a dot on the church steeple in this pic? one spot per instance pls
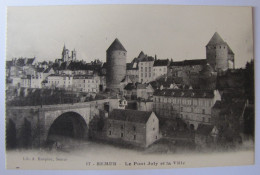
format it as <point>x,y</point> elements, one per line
<point>65,54</point>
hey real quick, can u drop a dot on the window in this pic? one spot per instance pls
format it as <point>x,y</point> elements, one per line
<point>203,111</point>
<point>209,120</point>
<point>134,137</point>
<point>110,133</point>
<point>122,127</point>
<point>203,119</point>
<point>134,128</point>
<point>181,109</point>
<point>122,134</point>
<point>153,128</point>
<point>155,137</point>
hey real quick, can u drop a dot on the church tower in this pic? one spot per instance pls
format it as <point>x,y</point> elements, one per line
<point>65,54</point>
<point>219,54</point>
<point>73,55</point>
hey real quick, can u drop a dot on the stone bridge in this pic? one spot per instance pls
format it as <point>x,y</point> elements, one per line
<point>32,125</point>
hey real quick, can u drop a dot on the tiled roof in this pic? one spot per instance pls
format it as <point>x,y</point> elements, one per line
<point>176,63</point>
<point>161,63</point>
<point>189,62</point>
<point>215,40</point>
<point>141,55</point>
<point>147,58</point>
<point>47,70</point>
<point>128,66</point>
<point>30,60</point>
<point>116,45</point>
<point>130,86</point>
<point>142,86</point>
<point>190,93</point>
<point>41,69</point>
<point>130,115</point>
<point>82,77</point>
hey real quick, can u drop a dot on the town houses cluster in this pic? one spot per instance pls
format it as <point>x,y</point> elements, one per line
<point>192,93</point>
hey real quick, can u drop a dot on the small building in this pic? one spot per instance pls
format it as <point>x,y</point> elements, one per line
<point>130,91</point>
<point>59,81</point>
<point>145,67</point>
<point>139,128</point>
<point>86,83</point>
<point>144,91</point>
<point>191,105</point>
<point>160,67</point>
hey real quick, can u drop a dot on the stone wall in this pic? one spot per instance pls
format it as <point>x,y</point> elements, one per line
<point>116,68</point>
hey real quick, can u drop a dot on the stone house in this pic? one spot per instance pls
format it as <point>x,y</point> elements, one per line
<point>146,69</point>
<point>59,81</point>
<point>138,128</point>
<point>132,71</point>
<point>130,91</point>
<point>190,105</point>
<point>188,70</point>
<point>86,83</point>
<point>144,91</point>
<point>160,67</point>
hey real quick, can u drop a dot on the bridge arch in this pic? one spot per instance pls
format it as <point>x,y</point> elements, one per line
<point>11,134</point>
<point>69,124</point>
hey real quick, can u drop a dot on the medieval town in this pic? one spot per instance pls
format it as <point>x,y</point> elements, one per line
<point>149,103</point>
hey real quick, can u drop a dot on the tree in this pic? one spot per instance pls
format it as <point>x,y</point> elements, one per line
<point>250,81</point>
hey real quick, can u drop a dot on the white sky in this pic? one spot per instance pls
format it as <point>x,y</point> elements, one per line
<point>177,32</point>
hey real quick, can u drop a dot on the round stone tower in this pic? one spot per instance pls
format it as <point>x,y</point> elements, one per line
<point>116,65</point>
<point>219,54</point>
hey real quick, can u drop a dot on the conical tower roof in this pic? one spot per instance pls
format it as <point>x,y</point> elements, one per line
<point>141,54</point>
<point>215,40</point>
<point>116,45</point>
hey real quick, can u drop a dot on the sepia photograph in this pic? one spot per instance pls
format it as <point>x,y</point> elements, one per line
<point>114,87</point>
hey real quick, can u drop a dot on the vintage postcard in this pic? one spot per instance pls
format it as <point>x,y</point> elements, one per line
<point>129,87</point>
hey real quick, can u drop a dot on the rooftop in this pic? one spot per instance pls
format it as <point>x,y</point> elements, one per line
<point>130,115</point>
<point>190,93</point>
<point>215,40</point>
<point>189,62</point>
<point>161,63</point>
<point>116,45</point>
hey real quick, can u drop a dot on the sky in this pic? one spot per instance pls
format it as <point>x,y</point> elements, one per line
<point>174,32</point>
